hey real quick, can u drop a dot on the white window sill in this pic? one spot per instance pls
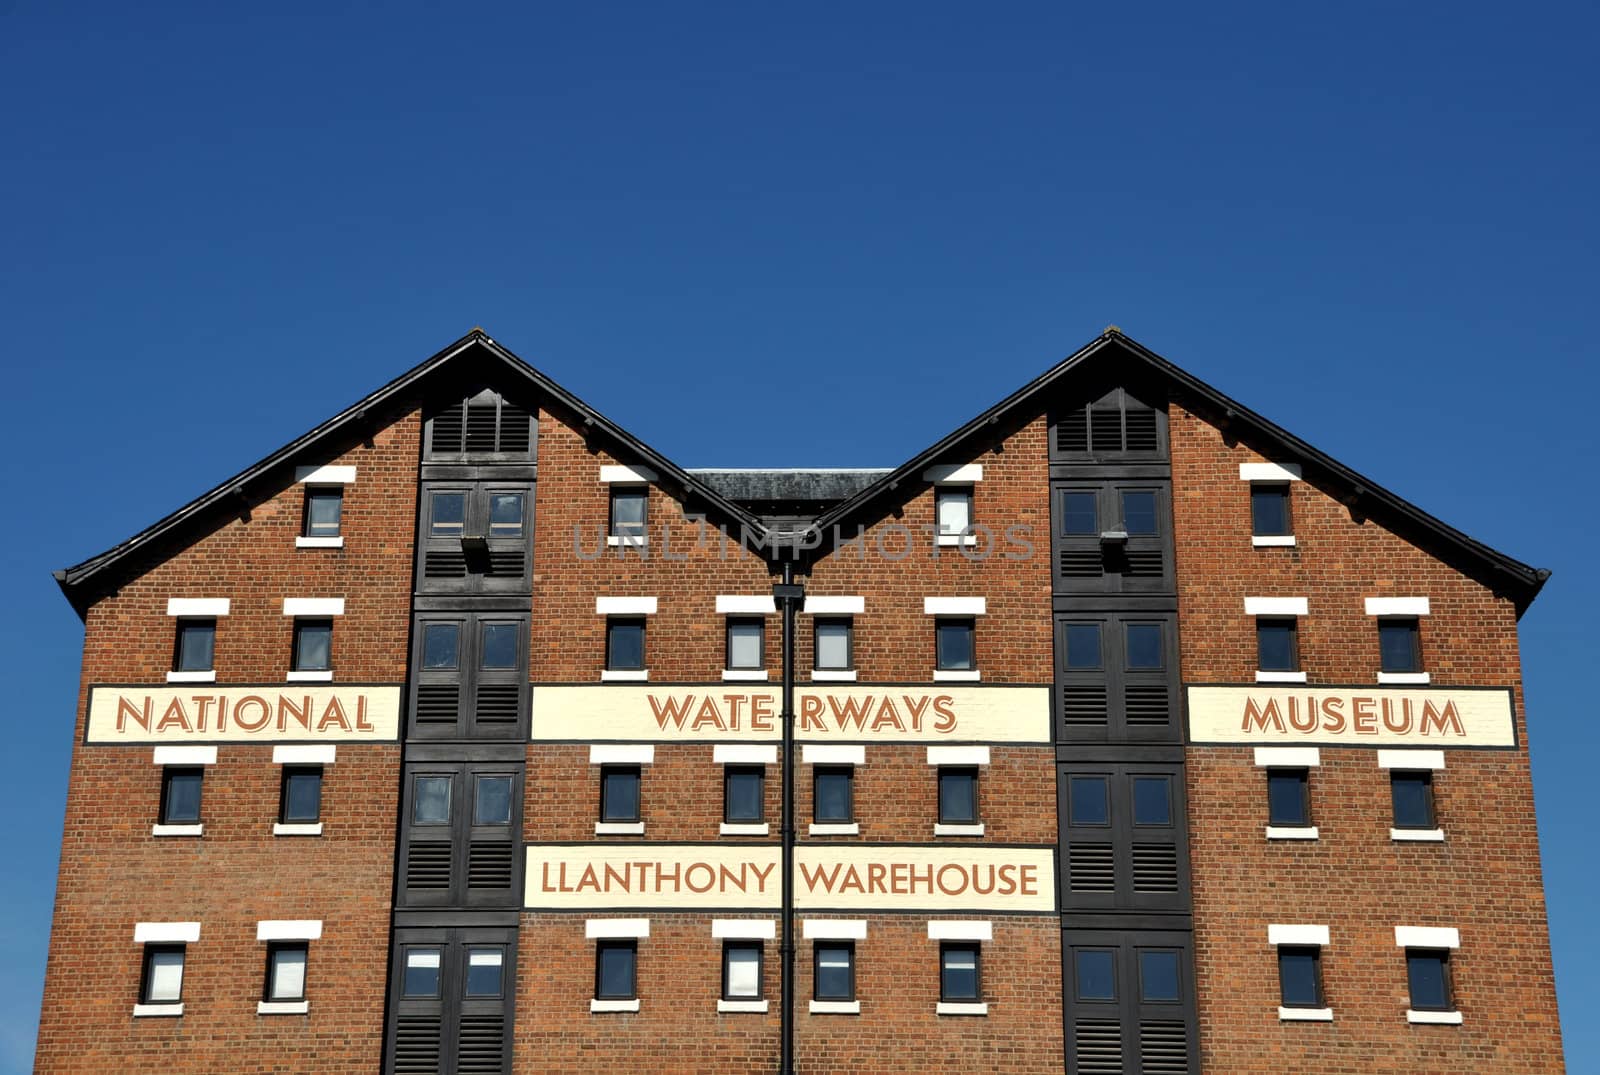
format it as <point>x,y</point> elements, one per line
<point>944,675</point>
<point>614,1005</point>
<point>1403,679</point>
<point>942,829</point>
<point>192,677</point>
<point>283,1007</point>
<point>752,828</point>
<point>1306,1015</point>
<point>833,675</point>
<point>1439,1018</point>
<point>1272,541</point>
<point>835,1007</point>
<point>741,1006</point>
<point>1421,836</point>
<point>625,675</point>
<point>311,677</point>
<point>744,675</point>
<point>953,1008</point>
<point>144,1011</point>
<point>634,540</point>
<point>319,542</point>
<point>619,828</point>
<point>1298,832</point>
<point>842,828</point>
<point>1280,677</point>
<point>308,828</point>
<point>968,540</point>
<point>177,830</point>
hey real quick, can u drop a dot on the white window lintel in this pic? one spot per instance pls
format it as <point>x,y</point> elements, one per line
<point>1427,937</point>
<point>198,606</point>
<point>834,929</point>
<point>1269,472</point>
<point>303,929</point>
<point>313,606</point>
<point>610,928</point>
<point>1276,606</point>
<point>325,475</point>
<point>954,474</point>
<point>954,606</point>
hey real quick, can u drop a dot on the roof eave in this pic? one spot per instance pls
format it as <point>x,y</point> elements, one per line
<point>75,581</point>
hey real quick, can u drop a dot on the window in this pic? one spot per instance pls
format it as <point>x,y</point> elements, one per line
<point>1145,651</point>
<point>835,644</point>
<point>619,793</point>
<point>313,646</point>
<point>834,794</point>
<point>954,645</point>
<point>835,972</point>
<point>741,970</point>
<point>1083,645</point>
<point>628,507</point>
<point>1089,800</point>
<point>286,971</point>
<point>1428,973</point>
<point>491,800</point>
<point>421,978</point>
<point>1095,974</point>
<point>1079,514</point>
<point>441,646</point>
<point>196,646</point>
<point>1288,798</point>
<point>624,644</point>
<point>1138,512</point>
<point>1269,510</point>
<point>1276,646</point>
<point>1159,977</point>
<point>300,800</point>
<point>485,972</point>
<point>743,789</point>
<point>161,981</point>
<point>1152,800</point>
<point>180,796</point>
<point>1412,794</point>
<point>431,805</point>
<point>615,970</point>
<point>958,795</point>
<point>448,516</point>
<point>1300,976</point>
<point>745,638</point>
<point>953,509</point>
<point>499,646</point>
<point>1397,645</point>
<point>958,972</point>
<point>324,504</point>
<point>505,515</point>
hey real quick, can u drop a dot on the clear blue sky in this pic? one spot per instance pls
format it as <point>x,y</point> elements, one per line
<point>814,234</point>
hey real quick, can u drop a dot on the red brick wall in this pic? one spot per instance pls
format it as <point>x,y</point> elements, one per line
<point>1484,879</point>
<point>678,1028</point>
<point>115,874</point>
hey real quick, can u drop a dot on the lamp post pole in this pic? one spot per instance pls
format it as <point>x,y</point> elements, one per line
<point>788,595</point>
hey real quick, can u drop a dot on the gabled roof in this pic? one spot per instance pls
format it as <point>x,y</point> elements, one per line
<point>1503,574</point>
<point>83,583</point>
<point>855,492</point>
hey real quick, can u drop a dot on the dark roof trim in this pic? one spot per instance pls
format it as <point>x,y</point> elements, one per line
<point>77,582</point>
<point>1503,573</point>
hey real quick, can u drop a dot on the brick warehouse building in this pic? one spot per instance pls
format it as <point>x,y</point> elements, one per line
<point>1133,734</point>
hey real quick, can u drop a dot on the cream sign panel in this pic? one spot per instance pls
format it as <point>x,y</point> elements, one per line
<point>206,714</point>
<point>879,877</point>
<point>1352,716</point>
<point>718,713</point>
